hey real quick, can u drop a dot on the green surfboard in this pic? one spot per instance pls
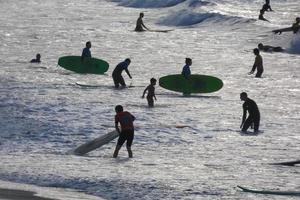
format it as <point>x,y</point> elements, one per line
<point>87,66</point>
<point>196,83</point>
<point>271,192</point>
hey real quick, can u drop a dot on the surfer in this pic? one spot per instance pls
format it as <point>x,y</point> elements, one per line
<point>127,130</point>
<point>151,92</point>
<point>117,73</point>
<point>267,48</point>
<point>37,59</point>
<point>258,64</point>
<point>295,27</point>
<point>254,116</point>
<point>186,71</point>
<point>261,15</point>
<point>266,6</point>
<point>86,53</point>
<point>140,24</point>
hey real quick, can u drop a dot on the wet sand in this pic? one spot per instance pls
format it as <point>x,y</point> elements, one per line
<point>11,194</point>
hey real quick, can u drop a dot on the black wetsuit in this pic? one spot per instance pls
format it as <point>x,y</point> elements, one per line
<point>254,115</point>
<point>117,74</point>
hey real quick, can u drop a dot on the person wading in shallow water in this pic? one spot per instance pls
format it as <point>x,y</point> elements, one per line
<point>254,115</point>
<point>127,130</point>
<point>140,24</point>
<point>258,64</point>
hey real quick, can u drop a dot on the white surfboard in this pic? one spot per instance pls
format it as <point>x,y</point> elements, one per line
<point>96,143</point>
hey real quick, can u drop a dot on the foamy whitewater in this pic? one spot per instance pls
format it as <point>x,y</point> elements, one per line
<point>44,114</point>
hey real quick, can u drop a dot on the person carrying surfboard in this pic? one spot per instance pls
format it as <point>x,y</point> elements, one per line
<point>37,59</point>
<point>151,92</point>
<point>117,73</point>
<point>140,24</point>
<point>295,27</point>
<point>254,115</point>
<point>86,53</point>
<point>186,71</point>
<point>127,130</point>
<point>258,64</point>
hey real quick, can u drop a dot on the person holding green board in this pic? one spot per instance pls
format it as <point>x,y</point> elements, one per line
<point>86,53</point>
<point>186,71</point>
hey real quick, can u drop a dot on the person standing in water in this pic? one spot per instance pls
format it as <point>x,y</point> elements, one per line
<point>140,24</point>
<point>186,71</point>
<point>117,73</point>
<point>151,92</point>
<point>254,115</point>
<point>266,6</point>
<point>127,130</point>
<point>258,64</point>
<point>86,53</point>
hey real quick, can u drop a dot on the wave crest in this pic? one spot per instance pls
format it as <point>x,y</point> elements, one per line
<point>148,3</point>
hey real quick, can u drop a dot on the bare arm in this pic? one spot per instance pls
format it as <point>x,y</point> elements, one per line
<point>244,117</point>
<point>117,127</point>
<point>145,91</point>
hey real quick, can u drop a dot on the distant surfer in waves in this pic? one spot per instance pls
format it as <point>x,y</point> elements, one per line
<point>295,27</point>
<point>186,71</point>
<point>266,6</point>
<point>261,15</point>
<point>127,130</point>
<point>258,64</point>
<point>267,48</point>
<point>140,24</point>
<point>37,59</point>
<point>254,115</point>
<point>86,53</point>
<point>151,92</point>
<point>117,73</point>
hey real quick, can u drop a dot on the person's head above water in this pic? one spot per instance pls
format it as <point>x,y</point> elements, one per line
<point>188,61</point>
<point>260,46</point>
<point>88,44</point>
<point>153,81</point>
<point>256,51</point>
<point>127,60</point>
<point>297,19</point>
<point>141,14</point>
<point>119,108</point>
<point>38,56</point>
<point>243,96</point>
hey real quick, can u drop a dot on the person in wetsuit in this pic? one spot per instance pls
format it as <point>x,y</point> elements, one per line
<point>267,48</point>
<point>254,115</point>
<point>127,130</point>
<point>258,64</point>
<point>37,59</point>
<point>296,25</point>
<point>117,73</point>
<point>86,53</point>
<point>140,24</point>
<point>266,6</point>
<point>186,71</point>
<point>151,92</point>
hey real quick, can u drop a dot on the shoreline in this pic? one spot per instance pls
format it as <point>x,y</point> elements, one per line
<point>15,194</point>
<point>19,191</point>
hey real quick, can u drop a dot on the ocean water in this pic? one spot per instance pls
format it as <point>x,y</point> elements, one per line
<point>44,114</point>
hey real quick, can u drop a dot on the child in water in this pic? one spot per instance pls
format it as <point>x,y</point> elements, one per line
<point>151,92</point>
